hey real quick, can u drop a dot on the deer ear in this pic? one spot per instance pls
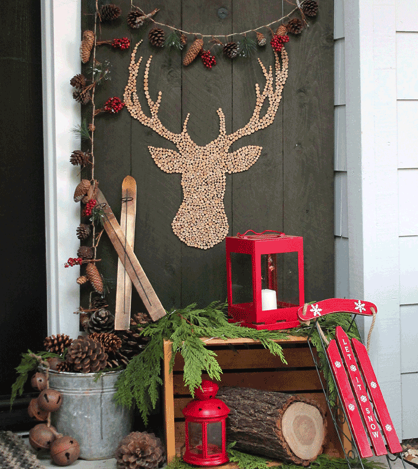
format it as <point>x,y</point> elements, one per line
<point>169,161</point>
<point>242,159</point>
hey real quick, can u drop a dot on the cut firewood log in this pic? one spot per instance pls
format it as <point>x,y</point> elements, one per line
<point>280,426</point>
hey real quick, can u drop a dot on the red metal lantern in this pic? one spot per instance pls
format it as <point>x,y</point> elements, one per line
<point>265,279</point>
<point>206,427</point>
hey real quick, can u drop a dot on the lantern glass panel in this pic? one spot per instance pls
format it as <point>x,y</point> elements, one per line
<point>280,273</point>
<point>242,278</point>
<point>214,435</point>
<point>195,438</point>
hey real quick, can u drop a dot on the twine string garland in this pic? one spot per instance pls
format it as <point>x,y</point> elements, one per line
<point>299,4</point>
<point>201,220</point>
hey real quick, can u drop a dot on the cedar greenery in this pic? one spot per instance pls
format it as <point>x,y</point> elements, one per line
<point>27,365</point>
<point>328,324</point>
<point>184,327</point>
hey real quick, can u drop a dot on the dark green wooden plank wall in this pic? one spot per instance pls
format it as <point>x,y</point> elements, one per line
<point>289,189</point>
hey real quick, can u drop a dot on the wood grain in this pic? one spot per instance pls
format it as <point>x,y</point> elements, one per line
<point>132,266</point>
<point>123,282</point>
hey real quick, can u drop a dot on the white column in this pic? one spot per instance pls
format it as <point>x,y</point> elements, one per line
<point>61,24</point>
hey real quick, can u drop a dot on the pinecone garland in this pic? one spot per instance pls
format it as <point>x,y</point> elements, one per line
<point>281,30</point>
<point>57,344</point>
<point>310,8</point>
<point>140,450</point>
<point>85,252</point>
<point>80,158</point>
<point>111,342</point>
<point>86,46</point>
<point>295,26</point>
<point>81,190</point>
<point>82,280</point>
<point>78,81</point>
<point>261,39</point>
<point>86,356</point>
<point>95,278</point>
<point>183,39</point>
<point>109,12</point>
<point>82,97</point>
<point>101,321</point>
<point>156,37</point>
<point>230,50</point>
<point>83,231</point>
<point>99,302</point>
<point>135,19</point>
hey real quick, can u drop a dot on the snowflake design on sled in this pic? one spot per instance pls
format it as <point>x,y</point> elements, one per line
<point>316,310</point>
<point>360,306</point>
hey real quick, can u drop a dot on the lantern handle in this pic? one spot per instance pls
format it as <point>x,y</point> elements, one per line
<point>265,231</point>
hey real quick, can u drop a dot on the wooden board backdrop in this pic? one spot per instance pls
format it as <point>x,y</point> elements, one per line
<point>289,189</point>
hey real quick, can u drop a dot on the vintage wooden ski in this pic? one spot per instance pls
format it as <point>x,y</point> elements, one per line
<point>124,284</point>
<point>376,396</point>
<point>129,260</point>
<point>348,400</point>
<point>336,305</point>
<point>360,392</point>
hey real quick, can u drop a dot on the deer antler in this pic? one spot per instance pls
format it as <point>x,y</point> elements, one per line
<point>273,94</point>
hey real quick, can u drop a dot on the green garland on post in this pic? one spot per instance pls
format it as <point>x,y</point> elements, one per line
<point>184,328</point>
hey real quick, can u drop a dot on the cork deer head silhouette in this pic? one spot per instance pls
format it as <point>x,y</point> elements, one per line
<point>201,220</point>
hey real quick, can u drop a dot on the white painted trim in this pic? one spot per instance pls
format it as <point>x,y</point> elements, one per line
<point>61,28</point>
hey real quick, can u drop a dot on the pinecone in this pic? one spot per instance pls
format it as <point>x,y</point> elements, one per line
<point>295,26</point>
<point>140,450</point>
<point>261,39</point>
<point>99,302</point>
<point>109,12</point>
<point>57,344</point>
<point>101,321</point>
<point>281,30</point>
<point>132,342</point>
<point>85,252</point>
<point>135,19</point>
<point>82,280</point>
<point>78,81</point>
<point>81,190</point>
<point>64,366</point>
<point>310,8</point>
<point>183,39</point>
<point>193,52</point>
<point>86,46</point>
<point>111,342</point>
<point>80,158</point>
<point>156,37</point>
<point>83,231</point>
<point>86,356</point>
<point>230,50</point>
<point>95,278</point>
<point>82,97</point>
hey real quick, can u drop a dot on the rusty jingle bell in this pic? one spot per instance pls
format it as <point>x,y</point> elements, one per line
<point>65,450</point>
<point>39,381</point>
<point>36,412</point>
<point>41,436</point>
<point>50,400</point>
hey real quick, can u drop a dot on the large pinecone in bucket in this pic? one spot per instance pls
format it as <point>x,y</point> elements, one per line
<point>140,450</point>
<point>112,344</point>
<point>101,321</point>
<point>86,356</point>
<point>57,344</point>
<point>132,341</point>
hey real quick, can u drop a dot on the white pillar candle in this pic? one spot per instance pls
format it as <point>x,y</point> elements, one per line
<point>268,299</point>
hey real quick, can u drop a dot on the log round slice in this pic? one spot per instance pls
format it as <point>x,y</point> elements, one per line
<point>303,430</point>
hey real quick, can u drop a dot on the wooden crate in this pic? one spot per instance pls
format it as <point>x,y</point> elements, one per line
<point>246,363</point>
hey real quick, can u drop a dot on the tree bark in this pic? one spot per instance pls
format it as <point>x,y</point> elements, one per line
<point>281,426</point>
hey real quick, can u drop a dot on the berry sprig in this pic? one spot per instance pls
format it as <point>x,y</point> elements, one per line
<point>89,207</point>
<point>122,43</point>
<point>208,60</point>
<point>278,41</point>
<point>72,261</point>
<point>114,105</point>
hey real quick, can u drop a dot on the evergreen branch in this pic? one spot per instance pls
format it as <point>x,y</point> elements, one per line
<point>27,365</point>
<point>184,328</point>
<point>83,130</point>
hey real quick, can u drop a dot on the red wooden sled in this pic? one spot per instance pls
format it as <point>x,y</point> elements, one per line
<point>359,392</point>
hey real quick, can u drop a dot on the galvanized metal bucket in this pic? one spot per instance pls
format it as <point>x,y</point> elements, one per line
<point>89,413</point>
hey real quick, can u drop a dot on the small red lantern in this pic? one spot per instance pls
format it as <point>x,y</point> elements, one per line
<point>265,280</point>
<point>206,427</point>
